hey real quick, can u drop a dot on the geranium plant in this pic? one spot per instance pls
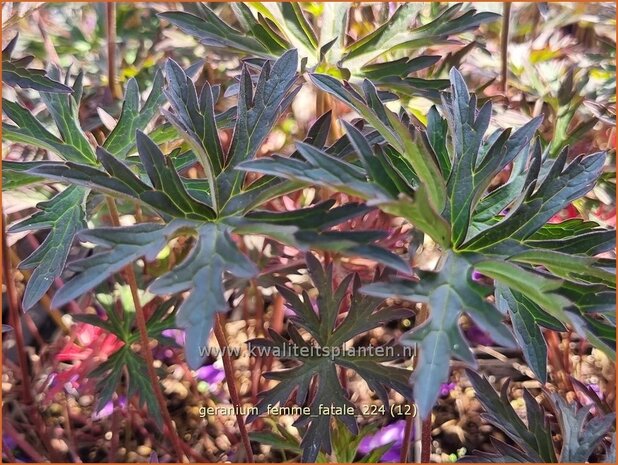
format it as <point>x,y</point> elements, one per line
<point>181,201</point>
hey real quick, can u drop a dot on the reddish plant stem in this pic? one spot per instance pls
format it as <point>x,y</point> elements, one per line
<point>504,44</point>
<point>229,378</point>
<point>256,376</point>
<point>34,331</point>
<point>276,324</point>
<point>407,439</point>
<point>140,320</point>
<point>426,441</point>
<point>566,354</point>
<point>16,323</point>
<point>69,432</point>
<point>15,317</point>
<point>554,354</point>
<point>22,442</point>
<point>110,18</point>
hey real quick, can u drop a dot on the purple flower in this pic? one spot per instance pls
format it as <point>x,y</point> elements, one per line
<point>597,390</point>
<point>476,335</point>
<point>289,310</point>
<point>167,352</point>
<point>446,389</point>
<point>177,335</point>
<point>8,441</point>
<point>210,374</point>
<point>108,408</point>
<point>392,433</point>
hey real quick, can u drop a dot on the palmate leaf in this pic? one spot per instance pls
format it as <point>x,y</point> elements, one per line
<point>168,193</point>
<point>126,360</point>
<point>188,205</point>
<point>111,373</point>
<point>471,175</point>
<point>580,435</point>
<point>258,111</point>
<point>64,215</point>
<point>396,33</point>
<point>201,272</point>
<point>551,265</point>
<point>319,366</point>
<point>269,29</point>
<point>381,180</point>
<point>448,293</point>
<point>213,254</point>
<point>15,72</point>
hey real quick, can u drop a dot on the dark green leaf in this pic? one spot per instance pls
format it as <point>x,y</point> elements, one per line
<point>169,189</point>
<point>122,138</point>
<point>14,175</point>
<point>527,319</point>
<point>471,174</point>
<point>64,110</point>
<point>500,413</point>
<point>448,292</point>
<point>194,118</point>
<point>580,436</point>
<point>122,245</point>
<point>16,73</point>
<point>213,31</point>
<point>64,216</point>
<point>29,131</point>
<point>295,383</point>
<point>560,186</point>
<point>202,273</point>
